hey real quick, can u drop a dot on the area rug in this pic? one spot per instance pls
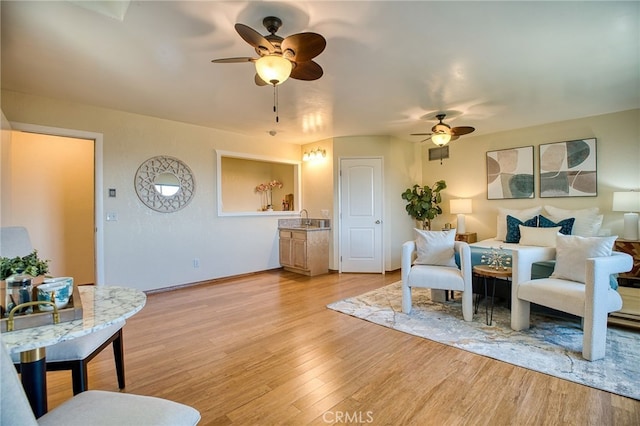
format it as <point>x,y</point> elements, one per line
<point>553,345</point>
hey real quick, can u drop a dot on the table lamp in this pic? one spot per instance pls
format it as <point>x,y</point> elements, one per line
<point>629,202</point>
<point>460,207</point>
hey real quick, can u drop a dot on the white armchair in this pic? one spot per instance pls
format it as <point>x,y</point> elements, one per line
<point>591,300</point>
<point>438,277</point>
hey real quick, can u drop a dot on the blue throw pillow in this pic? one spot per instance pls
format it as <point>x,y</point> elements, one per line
<point>566,225</point>
<point>513,232</point>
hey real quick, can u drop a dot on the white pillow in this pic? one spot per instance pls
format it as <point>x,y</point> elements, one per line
<point>588,221</point>
<point>521,215</point>
<point>435,247</point>
<point>572,252</point>
<point>541,237</point>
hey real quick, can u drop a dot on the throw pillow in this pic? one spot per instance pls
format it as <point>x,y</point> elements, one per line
<point>435,247</point>
<point>501,233</point>
<point>513,228</point>
<point>565,225</point>
<point>541,237</point>
<point>587,221</point>
<point>572,252</point>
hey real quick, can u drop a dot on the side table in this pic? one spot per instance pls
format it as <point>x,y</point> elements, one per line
<point>467,237</point>
<point>628,287</point>
<point>484,272</point>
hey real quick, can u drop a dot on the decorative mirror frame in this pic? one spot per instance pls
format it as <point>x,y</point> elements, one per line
<point>146,190</point>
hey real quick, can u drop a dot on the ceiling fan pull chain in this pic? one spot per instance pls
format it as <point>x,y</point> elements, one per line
<point>275,102</point>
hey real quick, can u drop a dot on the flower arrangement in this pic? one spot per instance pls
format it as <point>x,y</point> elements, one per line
<point>266,191</point>
<point>496,258</point>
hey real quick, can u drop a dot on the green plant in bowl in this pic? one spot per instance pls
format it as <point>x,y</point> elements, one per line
<point>30,264</point>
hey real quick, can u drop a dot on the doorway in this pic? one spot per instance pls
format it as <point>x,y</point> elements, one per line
<point>361,195</point>
<point>61,170</point>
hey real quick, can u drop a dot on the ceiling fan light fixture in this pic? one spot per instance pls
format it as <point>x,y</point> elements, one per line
<point>441,139</point>
<point>274,69</point>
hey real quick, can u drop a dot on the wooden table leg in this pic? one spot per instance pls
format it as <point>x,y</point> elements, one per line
<point>33,370</point>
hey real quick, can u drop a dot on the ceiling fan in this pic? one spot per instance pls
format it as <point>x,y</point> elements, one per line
<point>280,58</point>
<point>442,133</point>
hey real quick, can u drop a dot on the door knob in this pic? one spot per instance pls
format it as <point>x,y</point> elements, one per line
<point>378,222</point>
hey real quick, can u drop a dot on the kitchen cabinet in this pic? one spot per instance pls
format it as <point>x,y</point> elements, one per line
<point>305,250</point>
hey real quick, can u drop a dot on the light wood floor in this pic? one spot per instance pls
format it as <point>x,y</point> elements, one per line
<point>263,349</point>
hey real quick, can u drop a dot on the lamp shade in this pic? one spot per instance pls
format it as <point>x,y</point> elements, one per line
<point>441,139</point>
<point>460,206</point>
<point>273,69</point>
<point>628,201</point>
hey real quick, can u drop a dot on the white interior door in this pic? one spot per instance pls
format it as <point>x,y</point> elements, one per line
<point>361,215</point>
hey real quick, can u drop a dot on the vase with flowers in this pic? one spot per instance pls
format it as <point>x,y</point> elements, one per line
<point>266,193</point>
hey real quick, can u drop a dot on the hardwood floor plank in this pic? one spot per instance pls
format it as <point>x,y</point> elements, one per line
<point>264,349</point>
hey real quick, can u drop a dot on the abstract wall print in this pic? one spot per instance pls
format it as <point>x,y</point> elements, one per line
<point>568,169</point>
<point>510,173</point>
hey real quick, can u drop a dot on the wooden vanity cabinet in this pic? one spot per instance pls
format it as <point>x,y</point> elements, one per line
<point>305,251</point>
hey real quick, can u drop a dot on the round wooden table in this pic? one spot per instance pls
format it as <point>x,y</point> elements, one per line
<point>486,271</point>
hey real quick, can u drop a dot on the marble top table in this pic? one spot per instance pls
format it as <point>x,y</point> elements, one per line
<point>102,306</point>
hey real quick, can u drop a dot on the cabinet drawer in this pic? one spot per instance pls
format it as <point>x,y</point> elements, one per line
<point>299,235</point>
<point>285,234</point>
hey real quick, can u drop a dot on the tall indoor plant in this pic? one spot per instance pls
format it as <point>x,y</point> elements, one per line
<point>423,202</point>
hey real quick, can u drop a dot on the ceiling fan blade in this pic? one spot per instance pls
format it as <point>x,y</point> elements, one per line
<point>232,60</point>
<point>453,138</point>
<point>259,81</point>
<point>254,38</point>
<point>308,70</point>
<point>462,130</point>
<point>421,134</point>
<point>303,47</point>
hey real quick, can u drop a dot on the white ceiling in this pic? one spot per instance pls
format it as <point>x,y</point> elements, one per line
<point>492,65</point>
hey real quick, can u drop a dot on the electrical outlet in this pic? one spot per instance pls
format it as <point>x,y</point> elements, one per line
<point>325,213</point>
<point>112,217</point>
<point>196,263</point>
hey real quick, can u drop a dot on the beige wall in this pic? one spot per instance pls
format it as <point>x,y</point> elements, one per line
<point>147,249</point>
<point>618,157</point>
<point>5,170</point>
<point>50,192</point>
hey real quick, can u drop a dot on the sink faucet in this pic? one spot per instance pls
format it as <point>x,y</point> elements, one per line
<point>307,221</point>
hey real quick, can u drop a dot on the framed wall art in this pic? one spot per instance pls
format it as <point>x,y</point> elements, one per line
<point>568,169</point>
<point>510,173</point>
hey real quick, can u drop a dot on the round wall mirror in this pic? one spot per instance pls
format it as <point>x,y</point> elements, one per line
<point>164,184</point>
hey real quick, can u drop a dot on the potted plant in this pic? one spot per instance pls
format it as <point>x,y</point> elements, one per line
<point>30,264</point>
<point>423,202</point>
